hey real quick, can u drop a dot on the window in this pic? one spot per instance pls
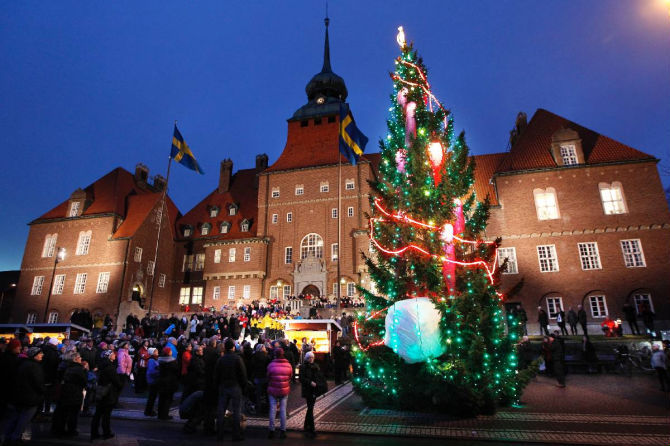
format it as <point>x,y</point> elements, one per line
<point>299,189</point>
<point>32,318</point>
<point>187,232</point>
<point>546,254</point>
<point>324,186</point>
<point>598,306</point>
<point>53,317</point>
<point>49,245</point>
<point>510,255</point>
<point>38,282</point>
<point>612,197</point>
<point>288,255</point>
<point>334,251</point>
<point>289,217</point>
<point>225,227</point>
<point>335,288</point>
<point>247,254</point>
<point>74,209</point>
<point>59,284</point>
<point>569,155</point>
<point>204,230</point>
<point>188,263</point>
<point>151,265</point>
<point>588,253</point>
<point>184,295</point>
<point>275,192</point>
<point>138,254</point>
<point>273,292</point>
<point>161,280</point>
<point>83,243</point>
<point>80,283</point>
<point>232,210</point>
<point>350,211</point>
<point>554,305</point>
<point>351,289</point>
<point>231,255</point>
<point>632,253</point>
<point>216,293</point>
<point>333,212</point>
<point>246,292</point>
<point>275,218</point>
<point>214,211</point>
<point>349,185</point>
<point>642,301</point>
<point>103,283</point>
<point>217,256</point>
<point>287,291</point>
<point>199,262</point>
<point>545,204</point>
<point>244,227</point>
<point>311,244</point>
<point>231,292</point>
<point>158,217</point>
<point>197,295</point>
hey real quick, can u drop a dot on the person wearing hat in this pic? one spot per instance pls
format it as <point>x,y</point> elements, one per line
<point>279,374</point>
<point>124,362</point>
<point>168,382</point>
<point>71,396</point>
<point>152,381</point>
<point>110,384</point>
<point>28,395</point>
<point>230,377</point>
<point>141,369</point>
<point>50,364</point>
<point>9,362</point>
<point>309,375</point>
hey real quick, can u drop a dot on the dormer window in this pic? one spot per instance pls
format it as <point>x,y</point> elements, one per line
<point>188,230</point>
<point>569,155</point>
<point>566,147</point>
<point>74,209</point>
<point>214,211</point>
<point>244,226</point>
<point>232,209</point>
<point>204,230</point>
<point>225,227</point>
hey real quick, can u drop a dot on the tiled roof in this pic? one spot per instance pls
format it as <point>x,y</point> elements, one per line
<point>140,208</point>
<point>486,166</point>
<point>532,150</point>
<point>243,192</point>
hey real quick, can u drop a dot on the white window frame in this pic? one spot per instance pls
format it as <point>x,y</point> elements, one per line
<point>225,228</point>
<point>641,298</point>
<point>185,295</point>
<point>569,155</point>
<point>334,251</point>
<point>216,292</point>
<point>547,258</point>
<point>509,253</point>
<point>335,284</point>
<point>311,243</point>
<point>74,209</point>
<point>53,317</point>
<point>552,310</point>
<point>612,198</point>
<point>350,211</point>
<point>204,230</point>
<point>59,284</point>
<point>217,256</point>
<point>289,217</point>
<point>199,261</point>
<point>80,283</point>
<point>244,227</point>
<point>196,296</point>
<point>38,284</point>
<point>151,266</point>
<point>286,291</point>
<point>275,192</point>
<point>274,292</point>
<point>49,245</point>
<point>275,219</point>
<point>187,232</point>
<point>231,292</point>
<point>324,187</point>
<point>83,243</point>
<point>138,254</point>
<point>600,306</point>
<point>288,255</point>
<point>633,256</point>
<point>187,265</point>
<point>299,189</point>
<point>31,318</point>
<point>351,289</point>
<point>214,212</point>
<point>247,254</point>
<point>231,255</point>
<point>589,256</point>
<point>232,209</point>
<point>246,292</point>
<point>546,204</point>
<point>333,213</point>
<point>103,283</point>
<point>349,185</point>
<point>161,280</point>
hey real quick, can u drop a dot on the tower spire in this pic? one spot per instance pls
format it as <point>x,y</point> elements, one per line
<point>326,51</point>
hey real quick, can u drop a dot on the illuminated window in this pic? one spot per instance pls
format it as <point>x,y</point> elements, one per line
<point>49,245</point>
<point>546,204</point>
<point>612,198</point>
<point>103,283</point>
<point>199,262</point>
<point>642,301</point>
<point>588,254</point>
<point>74,209</point>
<point>546,255</point>
<point>59,284</point>
<point>188,263</point>
<point>184,295</point>
<point>225,227</point>
<point>632,253</point>
<point>197,295</point>
<point>80,283</point>
<point>205,229</point>
<point>554,305</point>
<point>213,211</point>
<point>217,256</point>
<point>598,306</point>
<point>311,244</point>
<point>83,243</point>
<point>569,155</point>
<point>509,254</point>
<point>232,209</point>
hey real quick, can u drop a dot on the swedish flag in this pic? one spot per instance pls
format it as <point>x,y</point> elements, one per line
<point>182,154</point>
<point>352,140</point>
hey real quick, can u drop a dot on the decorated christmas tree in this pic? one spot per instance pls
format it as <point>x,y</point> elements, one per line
<point>434,334</point>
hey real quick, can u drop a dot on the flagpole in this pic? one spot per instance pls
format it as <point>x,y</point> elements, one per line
<point>158,236</point>
<point>339,228</point>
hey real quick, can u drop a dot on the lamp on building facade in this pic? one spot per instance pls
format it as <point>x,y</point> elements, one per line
<point>60,256</point>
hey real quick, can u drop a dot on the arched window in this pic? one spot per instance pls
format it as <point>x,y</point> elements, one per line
<point>546,204</point>
<point>53,317</point>
<point>84,243</point>
<point>311,244</point>
<point>612,198</point>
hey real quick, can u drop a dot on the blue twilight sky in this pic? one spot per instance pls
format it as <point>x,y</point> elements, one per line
<point>86,87</point>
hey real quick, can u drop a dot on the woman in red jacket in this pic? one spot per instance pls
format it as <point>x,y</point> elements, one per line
<point>279,386</point>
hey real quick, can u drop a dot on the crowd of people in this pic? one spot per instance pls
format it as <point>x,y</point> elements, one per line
<point>218,360</point>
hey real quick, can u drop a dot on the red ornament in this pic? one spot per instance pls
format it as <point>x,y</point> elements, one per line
<point>436,157</point>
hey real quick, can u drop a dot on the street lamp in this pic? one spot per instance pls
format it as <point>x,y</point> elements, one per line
<point>60,256</point>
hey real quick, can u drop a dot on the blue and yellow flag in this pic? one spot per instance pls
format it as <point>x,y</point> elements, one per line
<point>182,154</point>
<point>352,140</point>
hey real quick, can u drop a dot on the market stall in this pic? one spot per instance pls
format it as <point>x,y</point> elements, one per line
<point>34,331</point>
<point>324,332</point>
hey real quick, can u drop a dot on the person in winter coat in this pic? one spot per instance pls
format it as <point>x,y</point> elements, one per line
<point>279,373</point>
<point>9,362</point>
<point>543,320</point>
<point>71,396</point>
<point>50,364</point>
<point>581,317</point>
<point>230,377</point>
<point>186,359</point>
<point>309,373</point>
<point>341,361</point>
<point>152,382</point>
<point>110,385</point>
<point>658,362</point>
<point>168,382</point>
<point>195,375</point>
<point>560,320</point>
<point>125,362</point>
<point>572,321</point>
<point>258,373</point>
<point>141,369</point>
<point>28,395</point>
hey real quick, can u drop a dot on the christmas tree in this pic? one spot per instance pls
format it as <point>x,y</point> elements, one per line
<point>433,335</point>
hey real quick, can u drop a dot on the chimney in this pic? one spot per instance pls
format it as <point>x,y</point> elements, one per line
<point>519,126</point>
<point>141,173</point>
<point>159,183</point>
<point>261,162</point>
<point>225,175</point>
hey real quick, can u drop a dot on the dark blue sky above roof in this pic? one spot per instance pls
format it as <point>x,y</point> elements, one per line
<point>89,86</point>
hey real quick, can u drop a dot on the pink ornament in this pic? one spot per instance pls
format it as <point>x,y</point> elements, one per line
<point>449,267</point>
<point>402,97</point>
<point>459,219</point>
<point>436,157</point>
<point>410,122</point>
<point>401,160</point>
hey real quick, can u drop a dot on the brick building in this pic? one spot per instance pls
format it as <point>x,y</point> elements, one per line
<point>583,219</point>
